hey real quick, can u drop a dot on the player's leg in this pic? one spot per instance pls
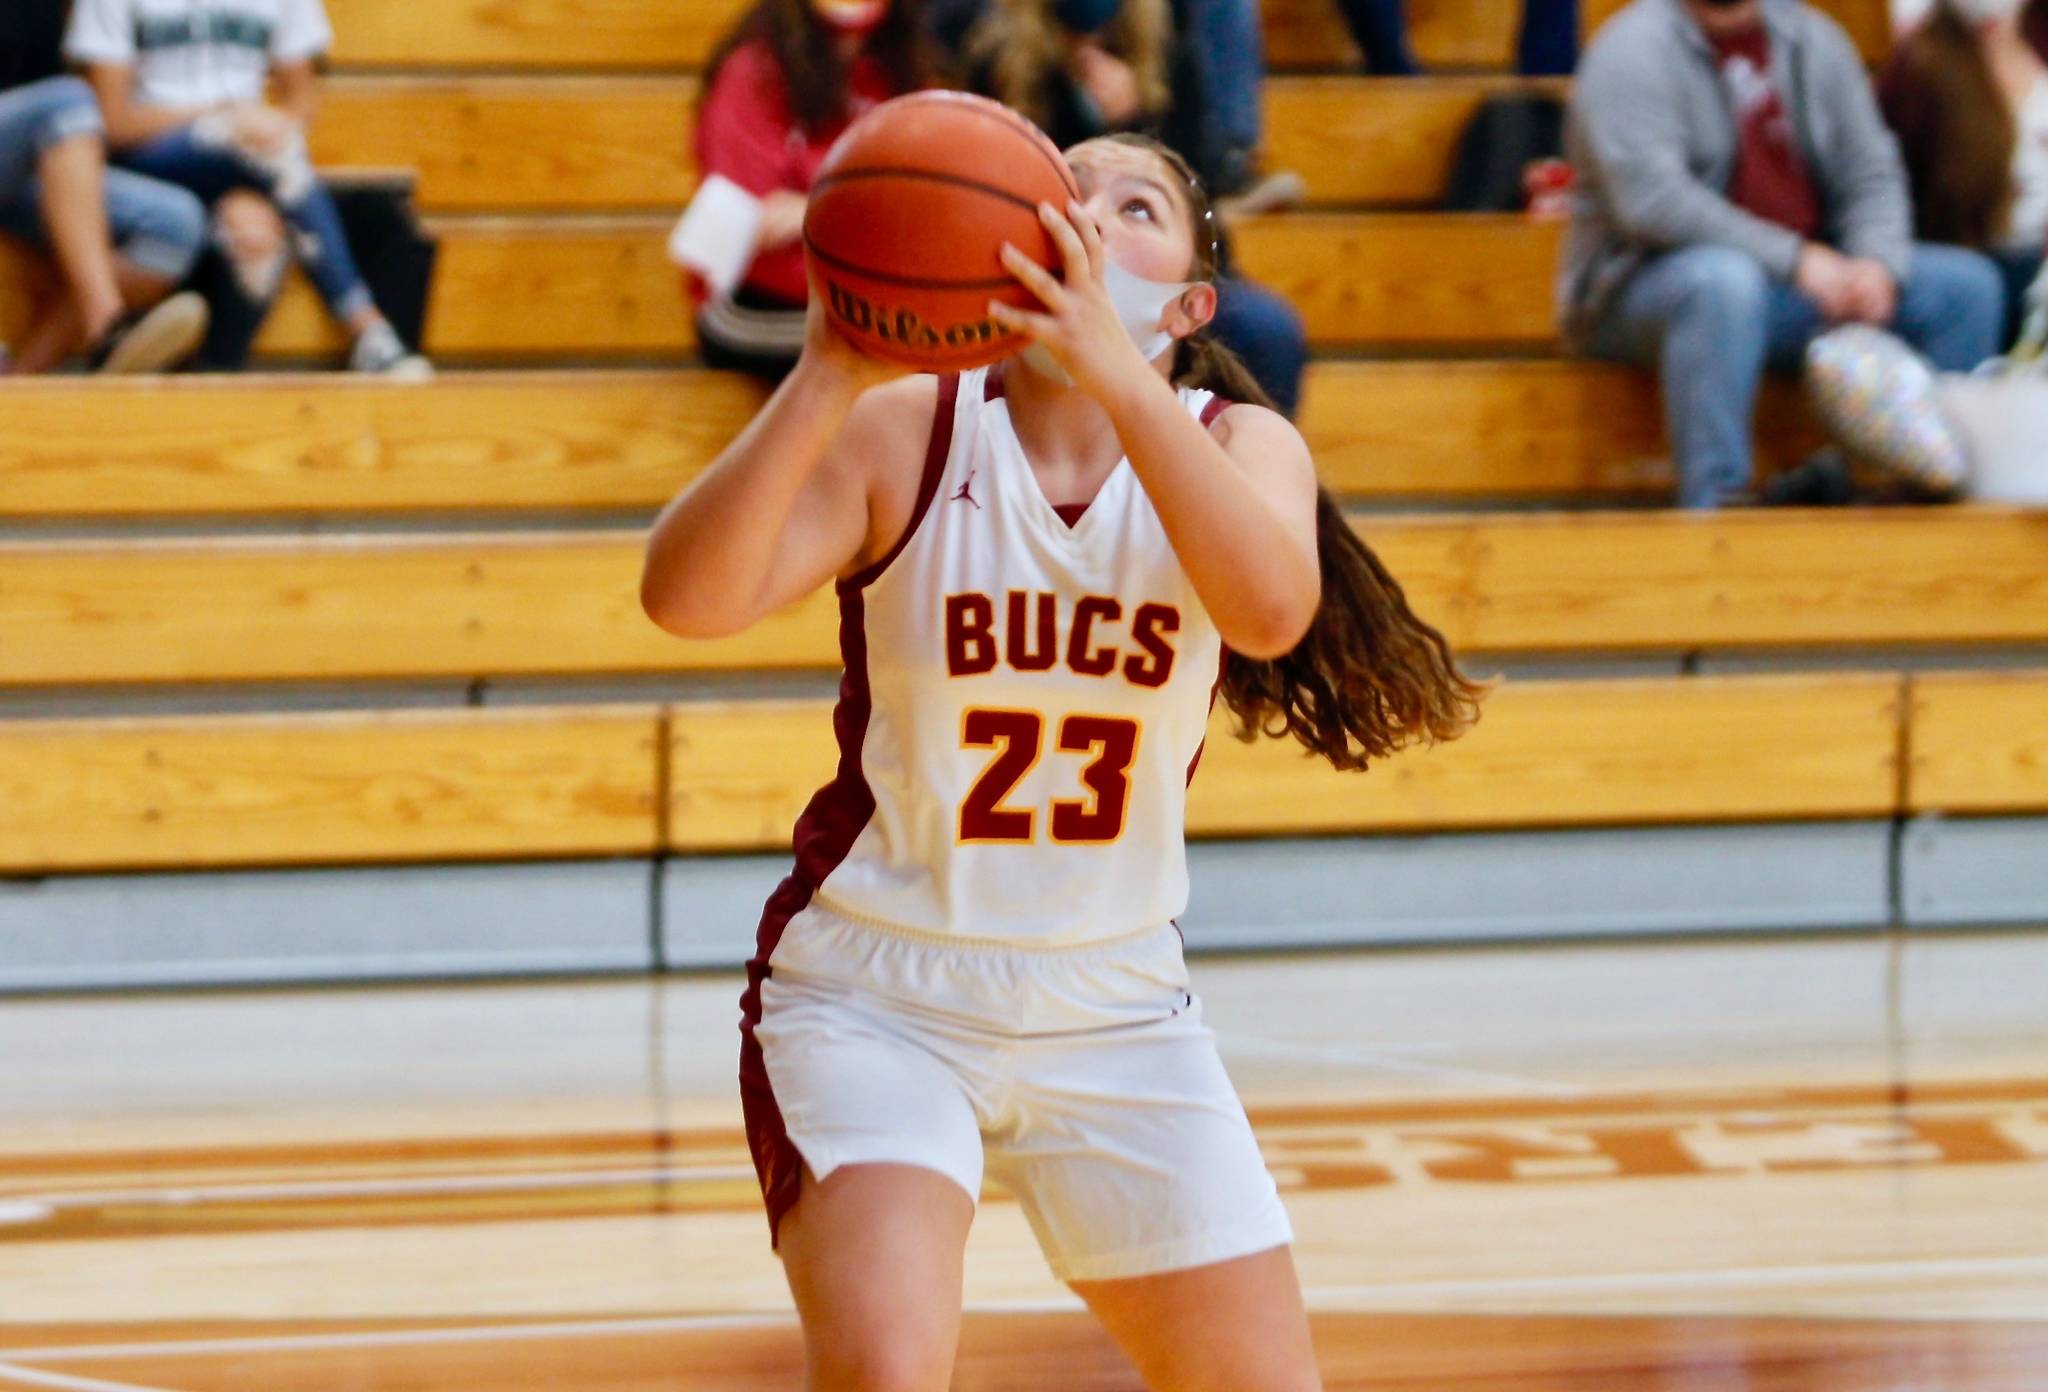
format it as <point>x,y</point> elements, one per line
<point>874,1257</point>
<point>1238,1325</point>
<point>1134,1161</point>
<point>864,1127</point>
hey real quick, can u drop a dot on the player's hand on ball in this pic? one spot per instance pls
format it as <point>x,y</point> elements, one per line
<point>833,360</point>
<point>1080,326</point>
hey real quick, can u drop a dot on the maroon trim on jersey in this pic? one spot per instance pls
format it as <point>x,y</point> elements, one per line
<point>927,487</point>
<point>1222,665</point>
<point>825,833</point>
<point>1071,513</point>
<point>1216,407</point>
<point>992,385</point>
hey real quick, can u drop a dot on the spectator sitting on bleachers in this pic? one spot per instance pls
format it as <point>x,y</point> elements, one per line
<point>57,194</point>
<point>121,241</point>
<point>1084,68</point>
<point>1737,193</point>
<point>1228,47</point>
<point>778,91</point>
<point>1968,96</point>
<point>1547,44</point>
<point>183,89</point>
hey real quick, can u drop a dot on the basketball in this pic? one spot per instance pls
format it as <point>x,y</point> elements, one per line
<point>908,215</point>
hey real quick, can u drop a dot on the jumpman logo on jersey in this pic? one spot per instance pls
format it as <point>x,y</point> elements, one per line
<point>964,494</point>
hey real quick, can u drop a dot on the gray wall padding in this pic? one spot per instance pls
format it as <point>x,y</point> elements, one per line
<point>1968,871</point>
<point>1256,894</point>
<point>285,925</point>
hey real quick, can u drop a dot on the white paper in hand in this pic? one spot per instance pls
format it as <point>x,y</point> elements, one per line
<point>715,235</point>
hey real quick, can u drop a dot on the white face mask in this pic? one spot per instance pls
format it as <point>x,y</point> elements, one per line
<point>1987,11</point>
<point>1140,304</point>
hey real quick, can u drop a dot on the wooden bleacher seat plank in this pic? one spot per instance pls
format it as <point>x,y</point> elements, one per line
<point>1547,754</point>
<point>497,143</point>
<point>1762,579</point>
<point>370,607</point>
<point>630,34</point>
<point>189,793</point>
<point>1979,742</point>
<point>630,439</point>
<point>511,288</point>
<point>336,442</point>
<point>503,289</point>
<point>1377,140</point>
<point>387,607</point>
<point>531,34</point>
<point>1409,280</point>
<point>1508,429</point>
<point>493,143</point>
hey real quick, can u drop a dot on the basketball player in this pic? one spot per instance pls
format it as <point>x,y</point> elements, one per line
<point>1045,572</point>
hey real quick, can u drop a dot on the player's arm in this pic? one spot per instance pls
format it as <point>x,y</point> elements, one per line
<point>295,88</point>
<point>786,506</point>
<point>1238,501</point>
<point>1238,504</point>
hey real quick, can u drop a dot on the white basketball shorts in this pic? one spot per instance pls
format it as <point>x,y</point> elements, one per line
<point>1082,1080</point>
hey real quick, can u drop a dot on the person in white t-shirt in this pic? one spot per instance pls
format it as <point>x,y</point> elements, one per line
<point>1967,92</point>
<point>182,84</point>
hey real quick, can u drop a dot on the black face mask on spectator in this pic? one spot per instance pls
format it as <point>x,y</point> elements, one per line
<point>1085,16</point>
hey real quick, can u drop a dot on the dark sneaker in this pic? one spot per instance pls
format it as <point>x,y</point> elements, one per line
<point>160,338</point>
<point>1822,481</point>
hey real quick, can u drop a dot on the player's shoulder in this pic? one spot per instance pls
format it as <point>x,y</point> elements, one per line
<point>1246,424</point>
<point>890,424</point>
<point>906,404</point>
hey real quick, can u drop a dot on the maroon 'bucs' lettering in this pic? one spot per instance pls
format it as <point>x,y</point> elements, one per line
<point>1029,638</point>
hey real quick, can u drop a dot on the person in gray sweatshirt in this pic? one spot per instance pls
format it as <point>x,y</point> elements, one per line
<point>1738,193</point>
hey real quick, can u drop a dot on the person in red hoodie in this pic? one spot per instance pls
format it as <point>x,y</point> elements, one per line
<point>779,89</point>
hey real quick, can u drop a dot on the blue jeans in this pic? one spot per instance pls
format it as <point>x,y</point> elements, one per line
<point>1262,328</point>
<point>1231,47</point>
<point>1710,319</point>
<point>155,227</point>
<point>2019,270</point>
<point>212,171</point>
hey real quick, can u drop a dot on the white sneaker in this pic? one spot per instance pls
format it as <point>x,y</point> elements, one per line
<point>1277,192</point>
<point>378,351</point>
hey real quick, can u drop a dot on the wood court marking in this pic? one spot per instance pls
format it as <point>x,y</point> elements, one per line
<point>10,1372</point>
<point>1523,1141</point>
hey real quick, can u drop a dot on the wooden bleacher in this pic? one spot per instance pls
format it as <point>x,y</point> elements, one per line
<point>628,34</point>
<point>583,781</point>
<point>555,603</point>
<point>579,143</point>
<point>508,441</point>
<point>1978,743</point>
<point>347,788</point>
<point>593,288</point>
<point>551,147</point>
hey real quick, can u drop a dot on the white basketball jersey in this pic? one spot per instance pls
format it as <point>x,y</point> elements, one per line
<point>1023,705</point>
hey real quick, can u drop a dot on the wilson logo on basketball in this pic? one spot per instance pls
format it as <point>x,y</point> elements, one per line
<point>901,325</point>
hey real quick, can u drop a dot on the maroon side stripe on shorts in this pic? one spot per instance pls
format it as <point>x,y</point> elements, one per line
<point>825,833</point>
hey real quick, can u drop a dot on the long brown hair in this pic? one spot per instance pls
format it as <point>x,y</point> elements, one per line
<point>1021,43</point>
<point>806,49</point>
<point>1369,677</point>
<point>1956,131</point>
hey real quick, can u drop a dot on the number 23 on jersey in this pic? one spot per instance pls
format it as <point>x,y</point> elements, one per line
<point>1107,745</point>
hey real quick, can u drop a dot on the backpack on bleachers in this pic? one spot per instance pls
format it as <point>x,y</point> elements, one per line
<point>1504,137</point>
